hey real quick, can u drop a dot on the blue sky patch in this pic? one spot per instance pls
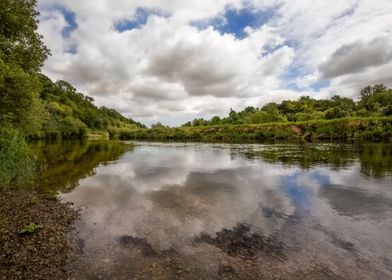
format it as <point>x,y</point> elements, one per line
<point>70,18</point>
<point>271,48</point>
<point>320,84</point>
<point>323,180</point>
<point>293,86</point>
<point>140,19</point>
<point>299,195</point>
<point>295,71</point>
<point>234,21</point>
<point>72,49</point>
<point>289,77</point>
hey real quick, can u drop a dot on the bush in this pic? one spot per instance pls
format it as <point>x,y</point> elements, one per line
<point>17,162</point>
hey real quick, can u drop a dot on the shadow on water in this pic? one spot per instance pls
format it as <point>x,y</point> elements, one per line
<point>62,164</point>
<point>274,215</point>
<point>353,203</point>
<point>137,243</point>
<point>240,241</point>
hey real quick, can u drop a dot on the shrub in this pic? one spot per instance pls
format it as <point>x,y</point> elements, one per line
<point>17,162</point>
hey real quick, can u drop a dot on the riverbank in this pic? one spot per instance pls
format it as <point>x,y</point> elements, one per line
<point>35,240</point>
<point>373,129</point>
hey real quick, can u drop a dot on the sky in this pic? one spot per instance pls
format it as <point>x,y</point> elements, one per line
<point>173,61</point>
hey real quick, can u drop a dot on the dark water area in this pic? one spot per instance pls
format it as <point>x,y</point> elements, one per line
<point>226,211</point>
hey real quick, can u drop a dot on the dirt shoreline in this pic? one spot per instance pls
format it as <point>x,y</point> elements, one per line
<point>35,240</point>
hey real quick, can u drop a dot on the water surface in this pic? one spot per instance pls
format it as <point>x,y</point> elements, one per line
<point>227,211</point>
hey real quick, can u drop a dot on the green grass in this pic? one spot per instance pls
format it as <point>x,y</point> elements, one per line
<point>33,200</point>
<point>17,162</point>
<point>30,228</point>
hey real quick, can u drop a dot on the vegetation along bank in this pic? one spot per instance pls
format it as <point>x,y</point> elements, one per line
<point>371,128</point>
<point>337,118</point>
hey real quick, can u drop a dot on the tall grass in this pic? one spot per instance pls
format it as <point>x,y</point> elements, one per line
<point>17,161</point>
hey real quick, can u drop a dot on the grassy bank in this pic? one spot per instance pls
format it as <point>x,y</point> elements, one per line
<point>372,129</point>
<point>17,161</point>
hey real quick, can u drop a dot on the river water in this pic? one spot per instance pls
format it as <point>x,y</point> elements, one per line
<point>226,211</point>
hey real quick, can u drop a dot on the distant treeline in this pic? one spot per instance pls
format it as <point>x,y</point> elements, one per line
<point>338,118</point>
<point>70,114</point>
<point>374,101</point>
<point>358,128</point>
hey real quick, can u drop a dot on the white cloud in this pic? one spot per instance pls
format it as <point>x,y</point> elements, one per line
<point>168,69</point>
<point>356,57</point>
<point>318,29</point>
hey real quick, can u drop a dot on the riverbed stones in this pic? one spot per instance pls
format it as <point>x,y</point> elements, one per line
<point>44,253</point>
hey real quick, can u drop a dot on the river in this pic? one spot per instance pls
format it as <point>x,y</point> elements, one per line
<point>226,211</point>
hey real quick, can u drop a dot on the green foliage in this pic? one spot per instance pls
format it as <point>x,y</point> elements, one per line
<point>22,54</point>
<point>30,228</point>
<point>337,118</point>
<point>375,128</point>
<point>300,117</point>
<point>17,162</point>
<point>74,115</point>
<point>158,125</point>
<point>33,200</point>
<point>20,44</point>
<point>375,101</point>
<point>51,195</point>
<point>20,105</point>
<point>336,113</point>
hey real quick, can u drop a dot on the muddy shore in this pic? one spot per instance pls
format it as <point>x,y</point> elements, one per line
<point>35,240</point>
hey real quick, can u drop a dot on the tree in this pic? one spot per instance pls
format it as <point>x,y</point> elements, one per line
<point>376,99</point>
<point>21,45</point>
<point>233,116</point>
<point>336,113</point>
<point>343,103</point>
<point>250,110</point>
<point>187,124</point>
<point>215,120</point>
<point>272,113</point>
<point>20,106</point>
<point>22,54</point>
<point>158,125</point>
<point>199,122</point>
